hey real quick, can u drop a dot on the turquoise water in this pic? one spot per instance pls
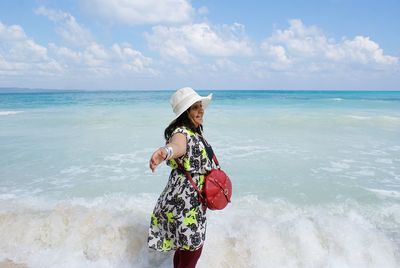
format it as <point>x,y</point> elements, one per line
<point>316,177</point>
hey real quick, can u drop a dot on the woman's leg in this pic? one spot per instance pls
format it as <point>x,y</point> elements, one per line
<point>176,258</point>
<point>186,258</point>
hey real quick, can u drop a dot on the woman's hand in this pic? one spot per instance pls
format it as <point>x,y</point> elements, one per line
<point>177,143</point>
<point>157,157</point>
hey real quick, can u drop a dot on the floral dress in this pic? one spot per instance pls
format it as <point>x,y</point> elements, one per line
<point>179,219</point>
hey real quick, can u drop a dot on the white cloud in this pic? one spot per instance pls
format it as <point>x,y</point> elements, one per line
<point>278,56</point>
<point>202,10</point>
<point>186,42</point>
<point>87,57</point>
<point>116,60</point>
<point>308,48</point>
<point>22,60</point>
<point>20,55</point>
<point>223,66</point>
<point>68,28</point>
<point>133,12</point>
<point>65,54</point>
<point>364,50</point>
<point>11,33</point>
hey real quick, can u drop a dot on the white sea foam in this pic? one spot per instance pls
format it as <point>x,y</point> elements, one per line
<point>359,117</point>
<point>111,232</point>
<point>10,112</point>
<point>336,166</point>
<point>395,148</point>
<point>385,193</point>
<point>365,172</point>
<point>7,196</point>
<point>384,161</point>
<point>74,170</point>
<point>381,119</point>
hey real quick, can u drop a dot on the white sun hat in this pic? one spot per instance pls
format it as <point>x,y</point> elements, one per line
<point>185,97</point>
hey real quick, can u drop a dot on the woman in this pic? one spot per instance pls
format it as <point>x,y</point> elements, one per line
<point>178,221</point>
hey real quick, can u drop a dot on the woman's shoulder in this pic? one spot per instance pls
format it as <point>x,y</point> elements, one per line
<point>184,130</point>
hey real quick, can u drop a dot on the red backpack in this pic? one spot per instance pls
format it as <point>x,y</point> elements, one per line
<point>217,189</point>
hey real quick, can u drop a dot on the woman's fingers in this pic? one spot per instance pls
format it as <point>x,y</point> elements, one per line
<point>154,160</point>
<point>153,164</point>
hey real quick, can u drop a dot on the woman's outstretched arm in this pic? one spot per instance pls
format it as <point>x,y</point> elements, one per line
<point>178,145</point>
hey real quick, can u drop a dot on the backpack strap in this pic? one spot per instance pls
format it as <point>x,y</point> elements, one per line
<point>216,161</point>
<point>214,157</point>
<point>189,177</point>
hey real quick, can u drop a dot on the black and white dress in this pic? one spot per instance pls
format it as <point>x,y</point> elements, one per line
<point>179,220</point>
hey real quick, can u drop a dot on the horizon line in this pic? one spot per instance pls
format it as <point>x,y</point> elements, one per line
<point>23,89</point>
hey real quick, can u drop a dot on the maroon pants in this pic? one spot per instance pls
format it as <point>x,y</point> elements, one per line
<point>186,258</point>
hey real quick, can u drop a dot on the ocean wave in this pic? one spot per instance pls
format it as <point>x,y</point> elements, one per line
<point>384,160</point>
<point>324,118</point>
<point>388,118</point>
<point>111,231</point>
<point>10,112</point>
<point>385,193</point>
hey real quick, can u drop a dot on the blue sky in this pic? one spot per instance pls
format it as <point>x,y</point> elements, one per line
<point>206,44</point>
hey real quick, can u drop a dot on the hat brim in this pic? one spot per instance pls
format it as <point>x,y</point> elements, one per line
<point>205,101</point>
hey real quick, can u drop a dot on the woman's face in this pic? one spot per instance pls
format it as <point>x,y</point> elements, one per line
<point>196,113</point>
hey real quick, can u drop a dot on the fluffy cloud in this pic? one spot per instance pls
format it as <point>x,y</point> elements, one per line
<point>278,56</point>
<point>11,33</point>
<point>91,57</point>
<point>219,54</point>
<point>95,59</point>
<point>309,48</point>
<point>186,42</point>
<point>142,12</point>
<point>67,27</point>
<point>362,50</point>
<point>20,55</point>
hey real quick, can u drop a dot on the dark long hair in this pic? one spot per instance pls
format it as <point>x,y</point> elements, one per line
<point>182,121</point>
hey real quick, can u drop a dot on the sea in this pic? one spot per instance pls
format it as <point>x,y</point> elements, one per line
<point>316,178</point>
